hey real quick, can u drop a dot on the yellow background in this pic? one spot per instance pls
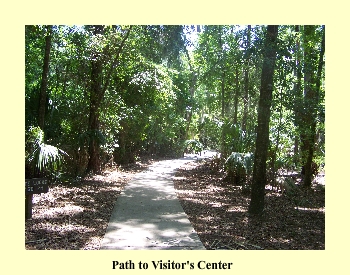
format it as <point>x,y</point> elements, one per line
<point>16,14</point>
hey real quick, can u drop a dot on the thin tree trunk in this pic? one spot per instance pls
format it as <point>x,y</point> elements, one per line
<point>223,145</point>
<point>44,78</point>
<point>277,143</point>
<point>122,154</point>
<point>236,98</point>
<point>309,97</point>
<point>262,140</point>
<point>236,90</point>
<point>223,76</point>
<point>312,87</point>
<point>246,83</point>
<point>193,85</point>
<point>298,95</point>
<point>223,95</point>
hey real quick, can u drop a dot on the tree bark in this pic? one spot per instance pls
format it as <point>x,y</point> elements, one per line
<point>262,140</point>
<point>223,145</point>
<point>311,101</point>
<point>235,114</point>
<point>223,99</point>
<point>192,89</point>
<point>246,83</point>
<point>298,95</point>
<point>44,78</point>
<point>96,95</point>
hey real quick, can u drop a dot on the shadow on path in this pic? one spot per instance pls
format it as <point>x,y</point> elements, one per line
<point>147,214</point>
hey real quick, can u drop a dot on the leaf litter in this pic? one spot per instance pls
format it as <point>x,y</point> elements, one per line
<point>218,212</point>
<point>75,216</point>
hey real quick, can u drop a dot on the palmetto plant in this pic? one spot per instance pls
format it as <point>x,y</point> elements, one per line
<point>41,156</point>
<point>238,140</point>
<point>238,166</point>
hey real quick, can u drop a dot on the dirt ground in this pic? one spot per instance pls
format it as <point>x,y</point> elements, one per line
<point>75,215</point>
<point>219,212</point>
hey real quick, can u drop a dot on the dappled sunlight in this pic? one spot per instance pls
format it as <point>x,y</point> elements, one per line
<point>156,218</point>
<point>217,204</point>
<point>271,193</point>
<point>214,188</point>
<point>64,228</point>
<point>206,218</point>
<point>237,208</point>
<point>178,178</point>
<point>68,209</point>
<point>118,99</point>
<point>142,234</point>
<point>195,200</point>
<point>321,210</point>
<point>219,213</point>
<point>73,215</point>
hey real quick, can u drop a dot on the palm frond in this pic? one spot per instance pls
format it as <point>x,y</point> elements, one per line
<point>42,155</point>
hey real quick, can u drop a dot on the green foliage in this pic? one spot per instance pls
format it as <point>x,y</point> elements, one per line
<point>237,140</point>
<point>88,136</point>
<point>193,146</point>
<point>209,131</point>
<point>39,155</point>
<point>170,84</point>
<point>240,162</point>
<point>239,166</point>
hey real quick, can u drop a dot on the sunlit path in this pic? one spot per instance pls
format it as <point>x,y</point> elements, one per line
<point>148,215</point>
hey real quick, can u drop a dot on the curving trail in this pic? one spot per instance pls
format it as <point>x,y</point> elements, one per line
<point>148,216</point>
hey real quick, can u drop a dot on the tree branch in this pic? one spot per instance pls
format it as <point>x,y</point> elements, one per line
<point>116,60</point>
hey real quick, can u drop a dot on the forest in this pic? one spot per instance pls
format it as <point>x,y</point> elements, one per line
<point>106,96</point>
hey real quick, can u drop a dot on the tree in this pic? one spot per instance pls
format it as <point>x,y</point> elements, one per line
<point>312,79</point>
<point>97,91</point>
<point>262,140</point>
<point>44,78</point>
<point>246,80</point>
<point>297,91</point>
<point>113,93</point>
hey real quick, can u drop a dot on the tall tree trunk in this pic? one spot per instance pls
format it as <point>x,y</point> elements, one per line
<point>246,82</point>
<point>235,104</point>
<point>277,143</point>
<point>122,154</point>
<point>311,91</point>
<point>223,145</point>
<point>262,140</point>
<point>96,95</point>
<point>44,78</point>
<point>193,84</point>
<point>97,91</point>
<point>223,95</point>
<point>223,99</point>
<point>297,94</point>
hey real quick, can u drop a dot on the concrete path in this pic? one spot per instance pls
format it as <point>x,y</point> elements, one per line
<point>148,215</point>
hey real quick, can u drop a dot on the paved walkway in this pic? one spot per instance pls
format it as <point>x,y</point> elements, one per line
<point>148,216</point>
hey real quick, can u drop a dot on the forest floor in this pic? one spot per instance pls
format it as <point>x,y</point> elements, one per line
<point>75,215</point>
<point>219,212</point>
